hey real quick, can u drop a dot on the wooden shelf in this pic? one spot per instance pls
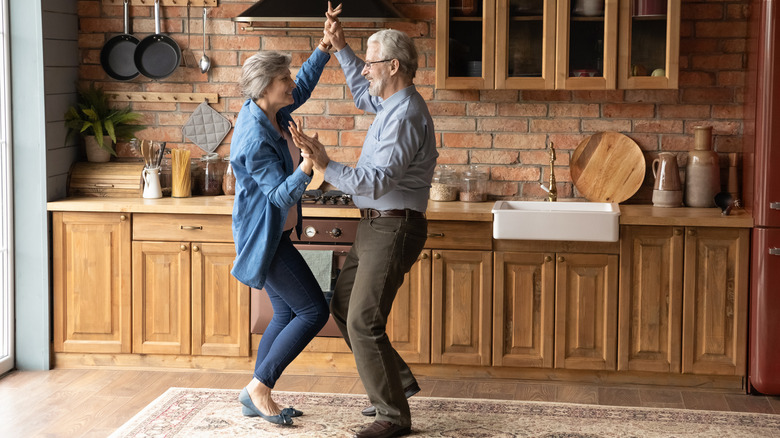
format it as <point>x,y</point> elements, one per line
<point>211,3</point>
<point>118,96</point>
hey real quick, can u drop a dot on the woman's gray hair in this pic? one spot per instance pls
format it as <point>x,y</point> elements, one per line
<point>260,70</point>
<point>394,44</point>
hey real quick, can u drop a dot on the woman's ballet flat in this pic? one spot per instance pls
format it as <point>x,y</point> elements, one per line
<point>292,412</point>
<point>250,410</point>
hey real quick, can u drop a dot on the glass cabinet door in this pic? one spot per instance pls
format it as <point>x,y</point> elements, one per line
<point>525,44</point>
<point>465,42</point>
<point>586,50</point>
<point>650,43</point>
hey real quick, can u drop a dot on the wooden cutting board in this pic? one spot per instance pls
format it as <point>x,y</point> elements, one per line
<point>607,167</point>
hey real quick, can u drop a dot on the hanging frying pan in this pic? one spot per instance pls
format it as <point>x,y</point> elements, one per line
<point>157,56</point>
<point>116,57</point>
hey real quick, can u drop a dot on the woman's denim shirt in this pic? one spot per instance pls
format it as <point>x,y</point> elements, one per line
<point>267,183</point>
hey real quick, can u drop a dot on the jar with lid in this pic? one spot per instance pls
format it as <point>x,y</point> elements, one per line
<point>474,185</point>
<point>444,186</point>
<point>209,182</point>
<point>229,180</point>
<point>166,177</point>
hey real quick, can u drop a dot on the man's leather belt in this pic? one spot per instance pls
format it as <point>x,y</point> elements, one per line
<point>370,213</point>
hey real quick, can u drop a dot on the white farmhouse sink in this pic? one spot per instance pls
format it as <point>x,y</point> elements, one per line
<point>537,220</point>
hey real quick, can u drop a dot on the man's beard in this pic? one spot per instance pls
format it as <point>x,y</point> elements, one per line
<point>375,87</point>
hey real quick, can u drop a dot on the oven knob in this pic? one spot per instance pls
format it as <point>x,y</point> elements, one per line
<point>336,232</point>
<point>309,231</point>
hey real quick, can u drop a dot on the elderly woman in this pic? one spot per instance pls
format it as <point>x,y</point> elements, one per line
<point>270,180</point>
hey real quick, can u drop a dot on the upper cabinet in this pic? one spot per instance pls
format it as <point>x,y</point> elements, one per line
<point>563,44</point>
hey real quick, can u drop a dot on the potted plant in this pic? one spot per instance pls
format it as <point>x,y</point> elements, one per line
<point>100,124</point>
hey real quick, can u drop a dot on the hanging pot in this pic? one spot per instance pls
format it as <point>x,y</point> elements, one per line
<point>158,55</point>
<point>116,57</point>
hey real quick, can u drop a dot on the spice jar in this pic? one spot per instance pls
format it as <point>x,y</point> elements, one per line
<point>210,178</point>
<point>444,186</point>
<point>474,185</point>
<point>229,180</point>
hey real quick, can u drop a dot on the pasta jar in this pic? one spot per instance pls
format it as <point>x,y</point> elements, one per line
<point>444,186</point>
<point>229,180</point>
<point>210,181</point>
<point>474,185</point>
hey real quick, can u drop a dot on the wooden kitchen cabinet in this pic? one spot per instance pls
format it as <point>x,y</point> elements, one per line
<point>185,301</point>
<point>91,263</point>
<point>714,337</point>
<point>523,309</point>
<point>649,49</point>
<point>548,44</point>
<point>586,311</point>
<point>555,304</point>
<point>683,299</point>
<point>650,297</point>
<point>409,323</point>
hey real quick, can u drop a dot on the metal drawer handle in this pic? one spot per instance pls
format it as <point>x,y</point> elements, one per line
<point>435,234</point>
<point>104,185</point>
<point>189,227</point>
<point>774,205</point>
<point>774,251</point>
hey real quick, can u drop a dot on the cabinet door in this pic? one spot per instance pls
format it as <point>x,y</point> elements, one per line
<point>525,44</point>
<point>649,44</point>
<point>465,41</point>
<point>523,301</point>
<point>586,42</point>
<point>220,303</point>
<point>651,285</point>
<point>460,326</point>
<point>92,267</point>
<point>715,303</point>
<point>586,311</point>
<point>161,297</point>
<point>409,323</point>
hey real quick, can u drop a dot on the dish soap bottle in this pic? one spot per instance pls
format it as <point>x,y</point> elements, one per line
<point>702,174</point>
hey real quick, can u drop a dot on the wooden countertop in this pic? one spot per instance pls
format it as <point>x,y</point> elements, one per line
<point>456,211</point>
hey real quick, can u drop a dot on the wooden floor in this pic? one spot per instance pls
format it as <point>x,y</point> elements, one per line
<point>94,402</point>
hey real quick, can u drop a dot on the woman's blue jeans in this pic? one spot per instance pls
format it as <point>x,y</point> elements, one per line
<point>300,311</point>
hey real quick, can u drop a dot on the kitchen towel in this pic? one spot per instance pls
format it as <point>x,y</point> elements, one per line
<point>206,127</point>
<point>321,264</point>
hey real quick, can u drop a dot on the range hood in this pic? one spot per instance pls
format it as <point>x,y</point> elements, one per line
<point>314,11</point>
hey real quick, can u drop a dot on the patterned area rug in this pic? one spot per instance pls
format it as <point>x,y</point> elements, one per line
<point>188,412</point>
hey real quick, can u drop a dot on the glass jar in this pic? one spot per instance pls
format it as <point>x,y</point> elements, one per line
<point>474,185</point>
<point>209,182</point>
<point>166,177</point>
<point>444,186</point>
<point>229,180</point>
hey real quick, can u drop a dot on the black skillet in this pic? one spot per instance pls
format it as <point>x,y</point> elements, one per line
<point>158,55</point>
<point>116,57</point>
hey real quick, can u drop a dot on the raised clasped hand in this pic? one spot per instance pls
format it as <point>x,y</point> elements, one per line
<point>332,21</point>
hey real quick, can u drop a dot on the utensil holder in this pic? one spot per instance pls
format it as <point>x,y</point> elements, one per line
<point>152,189</point>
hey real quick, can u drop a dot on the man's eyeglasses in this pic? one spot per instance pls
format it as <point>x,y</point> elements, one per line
<point>369,64</point>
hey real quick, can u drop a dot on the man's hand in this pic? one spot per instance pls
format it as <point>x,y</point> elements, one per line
<point>310,147</point>
<point>333,32</point>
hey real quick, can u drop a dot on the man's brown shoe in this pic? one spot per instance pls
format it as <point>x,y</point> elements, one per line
<point>383,429</point>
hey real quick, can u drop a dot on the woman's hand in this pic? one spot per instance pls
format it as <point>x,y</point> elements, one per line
<point>310,147</point>
<point>334,33</point>
<point>332,16</point>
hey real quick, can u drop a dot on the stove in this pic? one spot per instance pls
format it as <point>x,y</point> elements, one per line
<point>330,197</point>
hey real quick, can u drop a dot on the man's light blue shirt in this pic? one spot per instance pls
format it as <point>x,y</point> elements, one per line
<point>399,153</point>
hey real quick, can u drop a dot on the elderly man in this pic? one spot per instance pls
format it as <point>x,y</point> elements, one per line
<point>390,184</point>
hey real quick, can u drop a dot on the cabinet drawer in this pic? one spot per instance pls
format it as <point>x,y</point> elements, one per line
<point>182,227</point>
<point>459,235</point>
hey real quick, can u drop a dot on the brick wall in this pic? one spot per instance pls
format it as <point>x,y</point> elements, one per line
<point>504,130</point>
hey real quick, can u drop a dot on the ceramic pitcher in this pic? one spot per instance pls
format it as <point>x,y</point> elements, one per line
<point>152,187</point>
<point>666,172</point>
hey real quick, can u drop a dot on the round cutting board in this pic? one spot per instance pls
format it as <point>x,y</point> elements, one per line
<point>607,167</point>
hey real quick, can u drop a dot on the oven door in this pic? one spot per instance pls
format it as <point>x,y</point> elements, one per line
<point>260,305</point>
